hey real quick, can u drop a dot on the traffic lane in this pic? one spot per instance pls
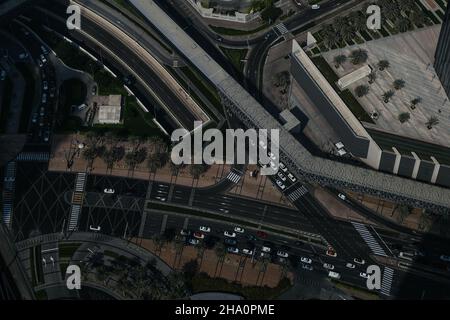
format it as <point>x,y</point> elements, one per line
<point>134,62</point>
<point>120,186</point>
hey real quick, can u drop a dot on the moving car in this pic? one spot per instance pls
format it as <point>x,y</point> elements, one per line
<point>342,196</point>
<point>363,275</point>
<point>109,190</point>
<point>307,267</point>
<point>330,252</point>
<point>334,275</point>
<point>199,235</point>
<point>229,234</point>
<point>305,260</point>
<point>204,229</point>
<point>443,257</point>
<point>230,241</point>
<point>45,85</point>
<point>328,266</point>
<point>193,241</point>
<point>350,265</point>
<point>98,228</point>
<point>359,261</point>
<point>315,6</point>
<point>282,254</point>
<point>239,229</point>
<point>248,252</point>
<point>265,249</point>
<point>185,232</point>
<point>233,250</point>
<point>161,199</point>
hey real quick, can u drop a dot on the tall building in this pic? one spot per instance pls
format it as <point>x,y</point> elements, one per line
<point>442,56</point>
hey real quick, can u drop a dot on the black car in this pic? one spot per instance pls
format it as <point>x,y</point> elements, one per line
<point>251,237</point>
<point>231,242</point>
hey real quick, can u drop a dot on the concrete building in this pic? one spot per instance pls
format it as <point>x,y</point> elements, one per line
<point>442,56</point>
<point>110,112</point>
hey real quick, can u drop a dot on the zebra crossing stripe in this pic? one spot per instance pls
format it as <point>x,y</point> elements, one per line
<point>369,239</point>
<point>282,28</point>
<point>298,193</point>
<point>34,156</point>
<point>234,177</point>
<point>386,284</point>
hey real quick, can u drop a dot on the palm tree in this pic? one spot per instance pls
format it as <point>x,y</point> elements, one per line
<point>388,95</point>
<point>407,5</point>
<point>339,60</point>
<point>383,64</point>
<point>361,90</point>
<point>358,56</point>
<point>404,117</point>
<point>432,121</point>
<point>402,24</point>
<point>348,33</point>
<point>399,84</point>
<point>415,102</point>
<point>417,18</point>
<point>372,77</point>
<point>196,170</point>
<point>157,160</point>
<point>358,20</point>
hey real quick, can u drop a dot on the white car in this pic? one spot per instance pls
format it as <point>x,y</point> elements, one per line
<point>239,229</point>
<point>306,260</point>
<point>161,199</point>
<point>204,229</point>
<point>280,184</point>
<point>291,177</point>
<point>342,196</point>
<point>283,167</point>
<point>363,275</point>
<point>359,261</point>
<point>265,249</point>
<point>443,257</point>
<point>45,85</point>
<point>229,234</point>
<point>43,58</point>
<point>282,254</point>
<point>334,275</point>
<point>281,176</point>
<point>328,266</point>
<point>350,265</point>
<point>233,250</point>
<point>247,251</point>
<point>94,228</point>
<point>315,6</point>
<point>109,190</point>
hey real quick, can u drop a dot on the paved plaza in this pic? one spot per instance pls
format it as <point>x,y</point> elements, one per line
<point>411,57</point>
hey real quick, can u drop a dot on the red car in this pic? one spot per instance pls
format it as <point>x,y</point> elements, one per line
<point>261,234</point>
<point>198,235</point>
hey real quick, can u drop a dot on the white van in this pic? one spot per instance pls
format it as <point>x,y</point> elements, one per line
<point>334,275</point>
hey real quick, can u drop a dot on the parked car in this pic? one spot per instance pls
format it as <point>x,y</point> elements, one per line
<point>2,75</point>
<point>334,275</point>
<point>239,229</point>
<point>305,260</point>
<point>359,261</point>
<point>282,167</point>
<point>315,6</point>
<point>282,254</point>
<point>281,176</point>
<point>185,232</point>
<point>92,228</point>
<point>251,237</point>
<point>363,275</point>
<point>248,252</point>
<point>205,229</point>
<point>350,265</point>
<point>109,190</point>
<point>280,184</point>
<point>45,85</point>
<point>229,234</point>
<point>444,257</point>
<point>193,241</point>
<point>291,177</point>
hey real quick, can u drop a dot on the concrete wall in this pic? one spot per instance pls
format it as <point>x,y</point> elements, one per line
<point>209,13</point>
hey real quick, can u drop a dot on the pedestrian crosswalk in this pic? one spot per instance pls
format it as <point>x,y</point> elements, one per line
<point>281,28</point>
<point>79,183</point>
<point>369,239</point>
<point>33,156</point>
<point>234,177</point>
<point>386,283</point>
<point>74,214</point>
<point>8,192</point>
<point>298,193</point>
